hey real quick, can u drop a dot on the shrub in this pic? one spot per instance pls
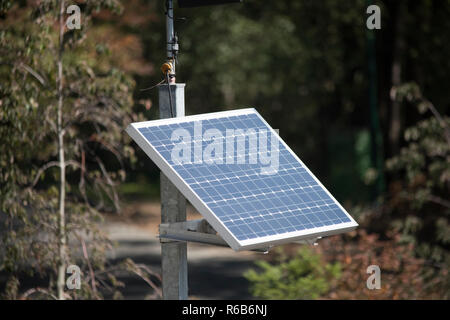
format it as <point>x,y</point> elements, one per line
<point>304,276</point>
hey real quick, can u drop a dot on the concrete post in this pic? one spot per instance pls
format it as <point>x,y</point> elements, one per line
<point>173,209</point>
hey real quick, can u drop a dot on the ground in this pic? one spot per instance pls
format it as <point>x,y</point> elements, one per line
<point>214,272</point>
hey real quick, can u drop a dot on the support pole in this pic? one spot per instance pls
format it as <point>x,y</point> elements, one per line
<point>171,39</point>
<point>169,28</point>
<point>173,209</point>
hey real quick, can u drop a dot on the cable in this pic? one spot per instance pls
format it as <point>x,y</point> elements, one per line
<point>166,68</point>
<point>170,95</point>
<point>150,88</point>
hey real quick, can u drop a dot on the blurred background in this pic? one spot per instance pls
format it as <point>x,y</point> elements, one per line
<point>366,111</point>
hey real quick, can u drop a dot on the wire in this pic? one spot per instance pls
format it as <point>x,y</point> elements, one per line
<point>167,80</point>
<point>170,95</point>
<point>150,88</point>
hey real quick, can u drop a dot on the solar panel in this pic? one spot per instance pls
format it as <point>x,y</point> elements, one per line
<point>242,177</point>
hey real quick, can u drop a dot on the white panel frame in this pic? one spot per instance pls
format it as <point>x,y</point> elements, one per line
<point>196,201</point>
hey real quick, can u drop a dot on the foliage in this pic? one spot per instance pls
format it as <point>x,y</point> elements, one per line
<point>418,201</point>
<point>96,106</point>
<point>301,63</point>
<point>402,272</point>
<point>303,276</point>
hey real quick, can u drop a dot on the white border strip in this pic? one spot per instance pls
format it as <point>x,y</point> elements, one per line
<point>197,117</point>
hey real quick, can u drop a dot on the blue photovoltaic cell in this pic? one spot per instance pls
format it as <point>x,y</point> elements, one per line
<point>250,204</point>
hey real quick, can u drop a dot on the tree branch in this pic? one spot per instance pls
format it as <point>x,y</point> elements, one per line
<point>52,164</point>
<point>35,290</point>
<point>139,272</point>
<point>42,169</point>
<point>439,201</point>
<point>439,118</point>
<point>91,271</point>
<point>109,181</point>
<point>32,72</point>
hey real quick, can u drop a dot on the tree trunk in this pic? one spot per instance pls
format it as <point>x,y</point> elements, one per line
<point>62,164</point>
<point>395,125</point>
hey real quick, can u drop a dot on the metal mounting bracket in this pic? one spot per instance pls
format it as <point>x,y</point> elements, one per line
<point>202,232</point>
<point>192,230</point>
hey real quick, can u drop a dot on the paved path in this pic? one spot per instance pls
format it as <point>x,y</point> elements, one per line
<point>214,272</point>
